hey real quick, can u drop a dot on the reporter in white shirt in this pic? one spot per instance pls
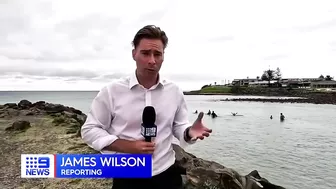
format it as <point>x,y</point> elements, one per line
<point>114,121</point>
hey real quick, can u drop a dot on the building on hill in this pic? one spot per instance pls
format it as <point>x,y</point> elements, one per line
<point>324,84</point>
<point>285,82</point>
<point>244,82</point>
<point>263,83</point>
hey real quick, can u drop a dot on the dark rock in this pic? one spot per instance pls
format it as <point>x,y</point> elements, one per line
<point>19,126</point>
<point>75,111</point>
<point>203,174</point>
<point>11,105</point>
<point>39,105</point>
<point>54,108</point>
<point>24,104</point>
<point>2,107</point>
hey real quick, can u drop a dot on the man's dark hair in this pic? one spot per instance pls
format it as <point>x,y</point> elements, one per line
<point>150,32</point>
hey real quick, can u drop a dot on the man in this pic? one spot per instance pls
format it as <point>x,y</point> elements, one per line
<point>113,123</point>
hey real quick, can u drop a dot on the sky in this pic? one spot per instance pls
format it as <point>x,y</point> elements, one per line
<point>84,45</point>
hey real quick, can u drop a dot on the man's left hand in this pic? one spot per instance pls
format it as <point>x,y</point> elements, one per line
<point>198,130</point>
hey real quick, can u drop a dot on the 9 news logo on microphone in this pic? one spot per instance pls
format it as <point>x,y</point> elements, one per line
<point>148,127</point>
<point>37,166</point>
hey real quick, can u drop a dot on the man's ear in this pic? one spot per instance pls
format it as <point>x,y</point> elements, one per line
<point>133,54</point>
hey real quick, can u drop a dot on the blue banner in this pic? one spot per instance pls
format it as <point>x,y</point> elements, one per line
<point>103,166</point>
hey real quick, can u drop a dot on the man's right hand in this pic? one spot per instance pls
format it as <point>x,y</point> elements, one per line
<point>132,147</point>
<point>142,147</point>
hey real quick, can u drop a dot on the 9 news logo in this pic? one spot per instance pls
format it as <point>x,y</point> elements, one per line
<point>37,166</point>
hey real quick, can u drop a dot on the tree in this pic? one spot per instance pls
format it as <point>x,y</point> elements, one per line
<point>328,78</point>
<point>277,74</point>
<point>268,75</point>
<point>264,77</point>
<point>321,76</point>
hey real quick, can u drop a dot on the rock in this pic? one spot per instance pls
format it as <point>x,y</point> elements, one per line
<point>24,104</point>
<point>2,107</point>
<point>75,111</point>
<point>54,108</point>
<point>19,126</point>
<point>203,174</point>
<point>11,105</point>
<point>39,105</point>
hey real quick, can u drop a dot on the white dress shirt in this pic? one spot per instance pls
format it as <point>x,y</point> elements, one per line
<point>116,113</point>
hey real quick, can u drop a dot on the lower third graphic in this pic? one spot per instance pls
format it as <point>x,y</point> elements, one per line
<point>37,166</point>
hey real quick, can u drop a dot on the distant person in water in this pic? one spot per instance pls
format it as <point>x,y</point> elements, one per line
<point>282,117</point>
<point>213,114</point>
<point>209,112</point>
<point>196,112</point>
<point>234,114</point>
<point>271,117</point>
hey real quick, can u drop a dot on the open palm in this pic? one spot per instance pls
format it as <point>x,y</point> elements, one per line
<point>198,130</point>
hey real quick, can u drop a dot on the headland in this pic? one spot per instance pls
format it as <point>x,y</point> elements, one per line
<point>300,95</point>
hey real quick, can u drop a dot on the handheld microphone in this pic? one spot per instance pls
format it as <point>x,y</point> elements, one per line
<point>148,127</point>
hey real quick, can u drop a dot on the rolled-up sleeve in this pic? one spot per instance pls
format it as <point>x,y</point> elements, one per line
<point>94,130</point>
<point>181,120</point>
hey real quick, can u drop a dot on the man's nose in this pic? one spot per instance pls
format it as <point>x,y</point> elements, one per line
<point>151,59</point>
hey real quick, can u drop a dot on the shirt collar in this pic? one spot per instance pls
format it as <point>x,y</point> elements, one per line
<point>134,81</point>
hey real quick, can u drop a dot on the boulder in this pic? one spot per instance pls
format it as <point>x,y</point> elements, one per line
<point>203,174</point>
<point>19,126</point>
<point>39,105</point>
<point>24,104</point>
<point>11,105</point>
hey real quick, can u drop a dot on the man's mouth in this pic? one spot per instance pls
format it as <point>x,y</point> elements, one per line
<point>151,70</point>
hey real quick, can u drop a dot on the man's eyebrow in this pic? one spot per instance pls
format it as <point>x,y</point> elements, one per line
<point>149,50</point>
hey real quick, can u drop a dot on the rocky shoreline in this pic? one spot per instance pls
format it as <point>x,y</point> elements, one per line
<point>300,96</point>
<point>331,101</point>
<point>48,128</point>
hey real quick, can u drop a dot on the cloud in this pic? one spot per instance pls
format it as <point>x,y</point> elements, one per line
<point>85,44</point>
<point>49,72</point>
<point>155,15</point>
<point>276,57</point>
<point>330,23</point>
<point>221,39</point>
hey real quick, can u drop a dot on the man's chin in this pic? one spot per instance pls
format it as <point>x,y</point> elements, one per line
<point>152,72</point>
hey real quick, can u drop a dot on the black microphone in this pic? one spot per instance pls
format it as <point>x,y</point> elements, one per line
<point>148,127</point>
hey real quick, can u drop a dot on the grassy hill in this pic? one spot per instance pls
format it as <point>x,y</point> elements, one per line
<point>216,89</point>
<point>262,91</point>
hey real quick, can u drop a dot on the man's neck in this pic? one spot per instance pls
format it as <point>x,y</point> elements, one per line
<point>147,82</point>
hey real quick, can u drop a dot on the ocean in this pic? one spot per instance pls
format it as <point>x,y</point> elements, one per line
<point>297,153</point>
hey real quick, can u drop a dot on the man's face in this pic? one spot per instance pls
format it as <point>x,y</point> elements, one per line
<point>149,55</point>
